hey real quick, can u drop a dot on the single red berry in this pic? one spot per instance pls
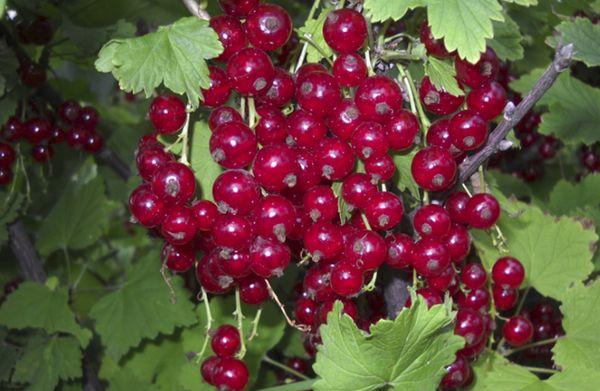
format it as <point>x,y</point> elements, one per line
<point>250,71</point>
<point>42,153</point>
<point>488,100</point>
<point>167,114</point>
<point>324,241</point>
<point>268,27</point>
<point>517,331</point>
<point>235,263</point>
<point>236,192</point>
<point>305,129</point>
<point>223,115</point>
<point>39,31</point>
<point>57,135</point>
<point>226,341</point>
<point>233,145</point>
<point>504,299</point>
<point>146,207</point>
<point>317,283</point>
<point>93,142</point>
<point>69,111</point>
<point>430,257</point>
<point>443,281</point>
<point>238,8</point>
<point>344,118</point>
<point>476,299</point>
<point>308,172</point>
<point>458,242</point>
<point>205,212</point>
<point>272,126</point>
<point>378,98</point>
<point>174,182</point>
<point>269,257</point>
<point>208,369</point>
<point>508,272</point>
<point>432,220</point>
<point>317,93</point>
<point>76,137</point>
<point>305,311</point>
<point>253,290</point>
<point>473,276</point>
<point>401,130</point>
<point>320,203</point>
<point>6,176</point>
<point>307,68</point>
<point>433,169</point>
<point>357,190</point>
<point>543,312</point>
<point>231,34</point>
<point>275,167</point>
<point>32,74</point>
<point>334,159</point>
<point>548,146</point>
<point>399,250</point>
<point>281,91</point>
<point>484,70</point>
<point>456,205</point>
<point>88,118</point>
<point>275,217</point>
<point>210,276</point>
<point>345,30</point>
<point>469,325</point>
<point>436,101</point>
<point>37,130</point>
<point>349,70</point>
<point>219,90</point>
<point>298,364</point>
<point>468,130</point>
<point>179,259</point>
<point>366,250</point>
<point>482,211</point>
<point>234,232</point>
<point>369,141</point>
<point>431,296</point>
<point>346,279</point>
<point>13,129</point>
<point>178,226</point>
<point>384,211</point>
<point>7,155</point>
<point>435,47</point>
<point>439,135</point>
<point>457,374</point>
<point>230,374</point>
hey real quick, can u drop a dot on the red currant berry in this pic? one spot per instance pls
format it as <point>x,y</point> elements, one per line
<point>281,90</point>
<point>275,217</point>
<point>399,250</point>
<point>42,153</point>
<point>219,90</point>
<point>380,169</point>
<point>517,331</point>
<point>436,101</point>
<point>268,27</point>
<point>179,259</point>
<point>205,212</point>
<point>468,130</point>
<point>456,205</point>
<point>208,369</point>
<point>88,118</point>
<point>253,290</point>
<point>146,207</point>
<point>317,92</point>
<point>488,100</point>
<point>368,140</point>
<point>334,159</point>
<point>349,70</point>
<point>13,129</point>
<point>207,276</point>
<point>37,130</point>
<point>320,203</point>
<point>76,137</point>
<point>231,34</point>
<point>235,263</point>
<point>482,211</point>
<point>178,226</point>
<point>457,374</point>
<point>6,176</point>
<point>484,70</point>
<point>469,325</point>
<point>234,232</point>
<point>344,118</point>
<point>430,257</point>
<point>174,182</point>
<point>305,311</point>
<point>378,98</point>
<point>7,155</point>
<point>272,126</point>
<point>230,374</point>
<point>431,296</point>
<point>366,250</point>
<point>275,167</point>
<point>504,299</point>
<point>433,169</point>
<point>238,8</point>
<point>39,31</point>
<point>508,272</point>
<point>308,68</point>
<point>324,241</point>
<point>233,145</point>
<point>226,341</point>
<point>346,279</point>
<point>317,283</point>
<point>93,142</point>
<point>345,30</point>
<point>401,130</point>
<point>349,309</point>
<point>439,135</point>
<point>473,276</point>
<point>69,111</point>
<point>223,115</point>
<point>269,257</point>
<point>458,242</point>
<point>250,71</point>
<point>432,220</point>
<point>167,114</point>
<point>357,190</point>
<point>442,282</point>
<point>435,47</point>
<point>384,211</point>
<point>236,192</point>
<point>305,129</point>
<point>476,299</point>
<point>308,173</point>
<point>32,74</point>
<point>543,312</point>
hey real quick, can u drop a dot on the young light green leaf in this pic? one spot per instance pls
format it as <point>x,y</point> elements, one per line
<point>46,360</point>
<point>203,165</point>
<point>566,198</point>
<point>507,40</point>
<point>34,305</point>
<point>464,24</point>
<point>407,353</point>
<point>174,54</point>
<point>313,29</point>
<point>443,75</point>
<point>382,10</point>
<point>585,37</point>
<point>142,300</point>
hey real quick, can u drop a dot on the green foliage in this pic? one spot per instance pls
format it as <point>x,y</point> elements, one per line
<point>403,177</point>
<point>525,3</point>
<point>464,24</point>
<point>585,37</point>
<point>566,198</point>
<point>507,41</point>
<point>205,168</point>
<point>90,39</point>
<point>407,353</point>
<point>174,54</point>
<point>8,213</point>
<point>35,305</point>
<point>8,66</point>
<point>381,10</point>
<point>143,299</point>
<point>443,75</point>
<point>313,29</point>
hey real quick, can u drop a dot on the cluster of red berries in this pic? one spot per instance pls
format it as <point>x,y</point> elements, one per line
<point>38,31</point>
<point>42,132</point>
<point>223,370</point>
<point>546,320</point>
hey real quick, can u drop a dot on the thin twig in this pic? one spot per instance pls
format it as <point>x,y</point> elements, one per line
<point>291,322</point>
<point>531,345</point>
<point>239,316</point>
<point>195,9</point>
<point>279,365</point>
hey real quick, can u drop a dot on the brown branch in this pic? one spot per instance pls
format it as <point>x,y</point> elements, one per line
<point>24,251</point>
<point>513,115</point>
<point>195,9</point>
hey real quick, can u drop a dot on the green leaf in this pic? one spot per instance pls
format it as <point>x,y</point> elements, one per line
<point>525,3</point>
<point>8,65</point>
<point>9,212</point>
<point>567,197</point>
<point>45,361</point>
<point>9,103</point>
<point>542,243</point>
<point>585,37</point>
<point>142,300</point>
<point>10,354</point>
<point>382,10</point>
<point>35,305</point>
<point>2,7</point>
<point>443,75</point>
<point>313,29</point>
<point>464,24</point>
<point>343,207</point>
<point>403,177</point>
<point>507,40</point>
<point>78,219</point>
<point>175,54</point>
<point>90,40</point>
<point>205,168</point>
<point>408,353</point>
<point>296,386</point>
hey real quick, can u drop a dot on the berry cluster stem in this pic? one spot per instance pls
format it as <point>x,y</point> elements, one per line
<point>185,136</point>
<point>531,345</point>
<point>285,368</point>
<point>255,322</point>
<point>239,316</point>
<point>209,320</point>
<point>282,308</point>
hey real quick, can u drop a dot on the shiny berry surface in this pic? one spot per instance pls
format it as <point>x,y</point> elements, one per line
<point>320,203</point>
<point>345,30</point>
<point>346,279</point>
<point>436,101</point>
<point>384,211</point>
<point>178,258</point>
<point>219,90</point>
<point>473,276</point>
<point>508,272</point>
<point>457,374</point>
<point>517,331</point>
<point>37,130</point>
<point>174,182</point>
<point>433,168</point>
<point>146,207</point>
<point>357,190</point>
<point>226,341</point>
<point>230,374</point>
<point>317,92</point>
<point>275,167</point>
<point>369,140</point>
<point>324,240</point>
<point>456,205</point>
<point>430,257</point>
<point>344,118</point>
<point>7,155</point>
<point>236,192</point>
<point>88,118</point>
<point>366,250</point>
<point>238,8</point>
<point>269,257</point>
<point>399,250</point>
<point>435,47</point>
<point>401,130</point>
<point>488,100</point>
<point>468,130</point>
<point>432,220</point>
<point>305,129</point>
<point>167,114</point>
<point>204,212</point>
<point>378,98</point>
<point>458,242</point>
<point>233,145</point>
<point>223,115</point>
<point>234,232</point>
<point>504,299</point>
<point>250,71</point>
<point>253,290</point>
<point>482,211</point>
<point>469,325</point>
<point>334,159</point>
<point>380,168</point>
<point>482,71</point>
<point>231,34</point>
<point>268,27</point>
<point>178,226</point>
<point>281,90</point>
<point>276,217</point>
<point>42,153</point>
<point>349,70</point>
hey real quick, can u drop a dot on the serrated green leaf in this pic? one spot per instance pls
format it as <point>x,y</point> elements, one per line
<point>142,300</point>
<point>525,3</point>
<point>443,75</point>
<point>174,55</point>
<point>542,243</point>
<point>408,353</point>
<point>313,29</point>
<point>567,197</point>
<point>585,37</point>
<point>125,380</point>
<point>203,165</point>
<point>382,10</point>
<point>507,40</point>
<point>45,361</point>
<point>33,305</point>
<point>89,39</point>
<point>403,177</point>
<point>304,385</point>
<point>464,24</point>
<point>77,220</point>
